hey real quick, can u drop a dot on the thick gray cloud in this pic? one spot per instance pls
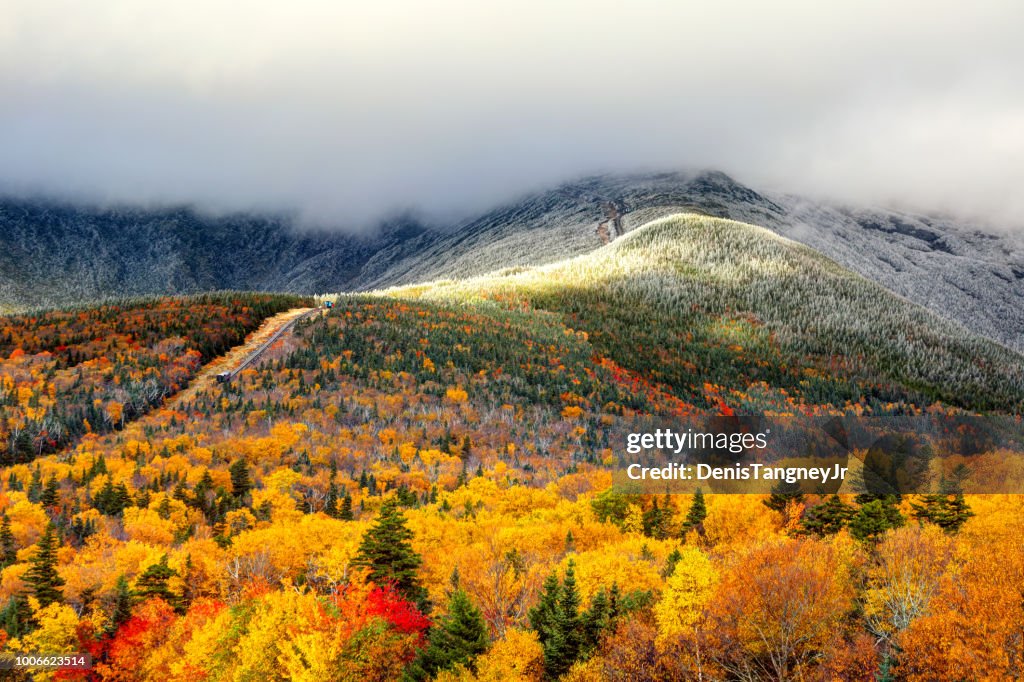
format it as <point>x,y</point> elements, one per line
<point>346,111</point>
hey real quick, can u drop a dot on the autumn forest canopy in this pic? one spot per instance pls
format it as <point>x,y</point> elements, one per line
<point>416,484</point>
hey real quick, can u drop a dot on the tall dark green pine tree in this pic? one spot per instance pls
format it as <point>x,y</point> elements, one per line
<point>153,582</point>
<point>8,550</point>
<point>827,518</point>
<point>16,616</point>
<point>556,618</point>
<point>456,639</point>
<point>180,492</point>
<point>122,610</point>
<point>657,520</point>
<point>48,497</point>
<point>190,585</point>
<point>111,500</point>
<point>200,492</point>
<point>345,510</point>
<point>695,517</point>
<point>241,484</point>
<point>595,621</point>
<point>544,620</point>
<point>875,517</point>
<point>614,602</point>
<point>670,563</point>
<point>122,498</point>
<point>569,616</point>
<point>782,494</point>
<point>953,513</point>
<point>948,509</point>
<point>35,486</point>
<point>387,551</point>
<point>42,574</point>
<point>331,501</point>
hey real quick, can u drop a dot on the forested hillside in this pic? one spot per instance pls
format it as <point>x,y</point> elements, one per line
<point>54,254</point>
<point>690,299</point>
<point>68,372</point>
<point>418,485</point>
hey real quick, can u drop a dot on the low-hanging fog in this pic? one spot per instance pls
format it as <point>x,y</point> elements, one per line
<point>345,112</point>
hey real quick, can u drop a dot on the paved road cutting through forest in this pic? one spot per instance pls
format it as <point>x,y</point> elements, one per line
<point>240,355</point>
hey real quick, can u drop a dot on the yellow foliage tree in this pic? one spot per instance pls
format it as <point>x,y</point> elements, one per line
<point>681,613</point>
<point>518,657</point>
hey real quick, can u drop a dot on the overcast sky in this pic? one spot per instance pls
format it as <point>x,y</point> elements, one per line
<point>345,111</point>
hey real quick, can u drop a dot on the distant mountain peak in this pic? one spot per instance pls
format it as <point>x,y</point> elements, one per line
<point>53,253</point>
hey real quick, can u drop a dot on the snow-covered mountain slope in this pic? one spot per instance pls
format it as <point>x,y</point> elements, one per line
<point>53,254</point>
<point>968,274</point>
<point>694,299</point>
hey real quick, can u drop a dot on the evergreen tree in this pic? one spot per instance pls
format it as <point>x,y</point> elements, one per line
<point>827,518</point>
<point>657,520</point>
<point>615,601</point>
<point>345,511</point>
<point>610,506</point>
<point>241,484</point>
<point>885,670</point>
<point>190,584</point>
<point>544,620</point>
<point>456,639</point>
<point>695,517</point>
<point>670,563</point>
<point>264,511</point>
<point>556,618</point>
<point>948,509</point>
<point>331,501</point>
<point>122,609</point>
<point>122,498</point>
<point>80,529</point>
<point>199,493</point>
<point>8,551</point>
<point>594,622</point>
<point>181,493</point>
<point>782,494</point>
<point>48,497</point>
<point>35,486</point>
<point>953,513</point>
<point>16,616</point>
<point>111,500</point>
<point>42,574</point>
<point>387,551</point>
<point>876,517</point>
<point>163,510</point>
<point>569,616</point>
<point>153,582</point>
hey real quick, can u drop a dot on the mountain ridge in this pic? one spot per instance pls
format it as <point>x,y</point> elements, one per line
<point>51,254</point>
<point>726,297</point>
